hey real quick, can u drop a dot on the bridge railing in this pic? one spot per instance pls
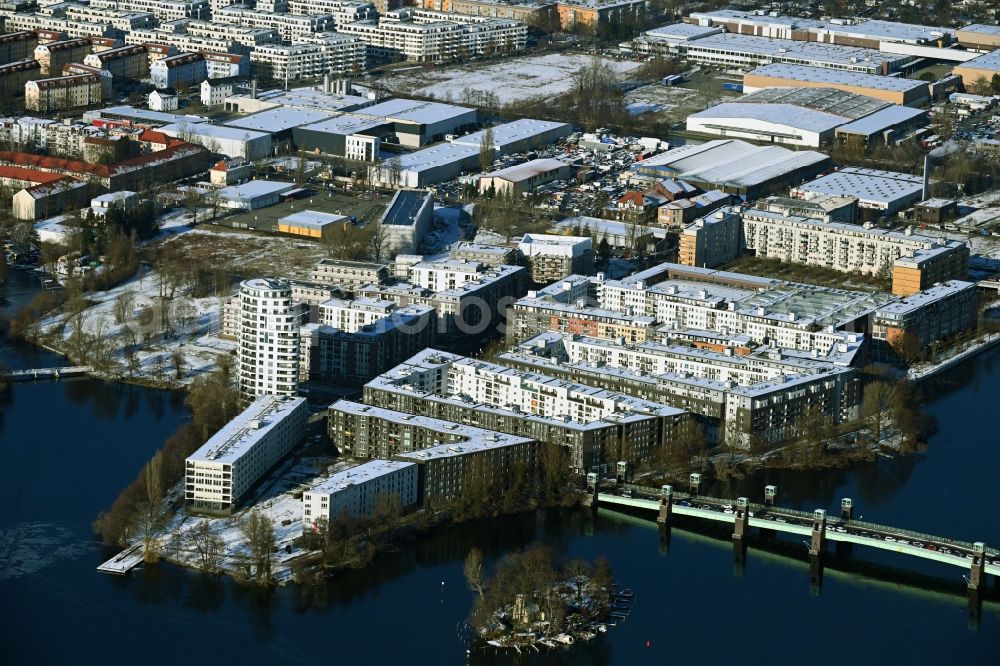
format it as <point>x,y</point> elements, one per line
<point>919,536</point>
<point>653,492</point>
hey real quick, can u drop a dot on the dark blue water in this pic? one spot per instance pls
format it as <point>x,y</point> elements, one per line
<point>69,447</point>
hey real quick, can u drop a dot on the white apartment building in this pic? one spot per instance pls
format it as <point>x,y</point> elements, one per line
<point>359,491</point>
<point>446,274</point>
<point>268,339</point>
<point>323,53</point>
<point>789,315</point>
<point>428,36</point>
<point>292,27</point>
<point>180,42</point>
<point>165,10</point>
<point>116,18</point>
<point>247,36</point>
<point>351,316</point>
<point>843,247</point>
<point>342,11</point>
<point>221,65</point>
<point>583,418</point>
<point>219,474</point>
<point>183,69</point>
<point>764,392</point>
<point>64,139</point>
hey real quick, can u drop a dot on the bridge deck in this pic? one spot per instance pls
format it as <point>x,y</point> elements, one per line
<point>791,521</point>
<point>46,373</point>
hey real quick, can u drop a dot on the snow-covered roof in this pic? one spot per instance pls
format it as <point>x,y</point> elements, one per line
<point>311,218</point>
<point>880,120</point>
<point>871,185</point>
<point>278,119</point>
<point>243,433</point>
<point>989,61</point>
<point>527,170</point>
<point>792,72</point>
<point>353,476</point>
<point>417,111</point>
<point>784,115</point>
<point>253,189</point>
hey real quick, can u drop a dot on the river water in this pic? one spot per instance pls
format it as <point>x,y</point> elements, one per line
<point>68,447</point>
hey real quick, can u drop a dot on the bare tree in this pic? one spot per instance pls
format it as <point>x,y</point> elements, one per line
<point>486,150</point>
<point>124,302</point>
<point>473,570</point>
<point>177,358</point>
<point>378,242</point>
<point>207,546</point>
<point>258,530</point>
<point>876,406</point>
<point>393,169</point>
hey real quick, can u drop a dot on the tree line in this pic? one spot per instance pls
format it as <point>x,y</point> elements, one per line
<point>139,510</point>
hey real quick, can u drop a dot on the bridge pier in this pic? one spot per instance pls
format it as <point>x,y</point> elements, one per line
<point>663,517</point>
<point>592,482</point>
<point>817,543</point>
<point>741,532</point>
<point>815,574</point>
<point>976,583</point>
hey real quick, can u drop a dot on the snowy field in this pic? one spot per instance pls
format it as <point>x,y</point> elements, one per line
<point>511,80</point>
<point>195,322</point>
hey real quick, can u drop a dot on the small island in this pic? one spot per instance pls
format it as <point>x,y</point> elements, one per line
<point>530,601</point>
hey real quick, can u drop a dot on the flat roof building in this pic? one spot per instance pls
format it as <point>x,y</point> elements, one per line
<point>355,341</point>
<point>935,314</point>
<point>980,69</point>
<point>360,492</point>
<point>869,33</point>
<point>736,396</point>
<point>223,139</point>
<point>979,37</point>
<point>406,220</point>
<point>849,247</point>
<point>885,191</point>
<point>445,451</point>
<point>795,316</point>
<point>895,90</point>
<point>744,51</point>
<point>553,257</point>
<point>588,421</point>
<point>253,194</point>
<point>221,472</point>
<point>310,224</point>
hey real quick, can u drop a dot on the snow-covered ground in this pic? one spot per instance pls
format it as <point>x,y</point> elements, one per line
<point>274,499</point>
<point>512,80</point>
<point>195,324</point>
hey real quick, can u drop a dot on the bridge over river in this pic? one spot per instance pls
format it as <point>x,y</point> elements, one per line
<point>817,527</point>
